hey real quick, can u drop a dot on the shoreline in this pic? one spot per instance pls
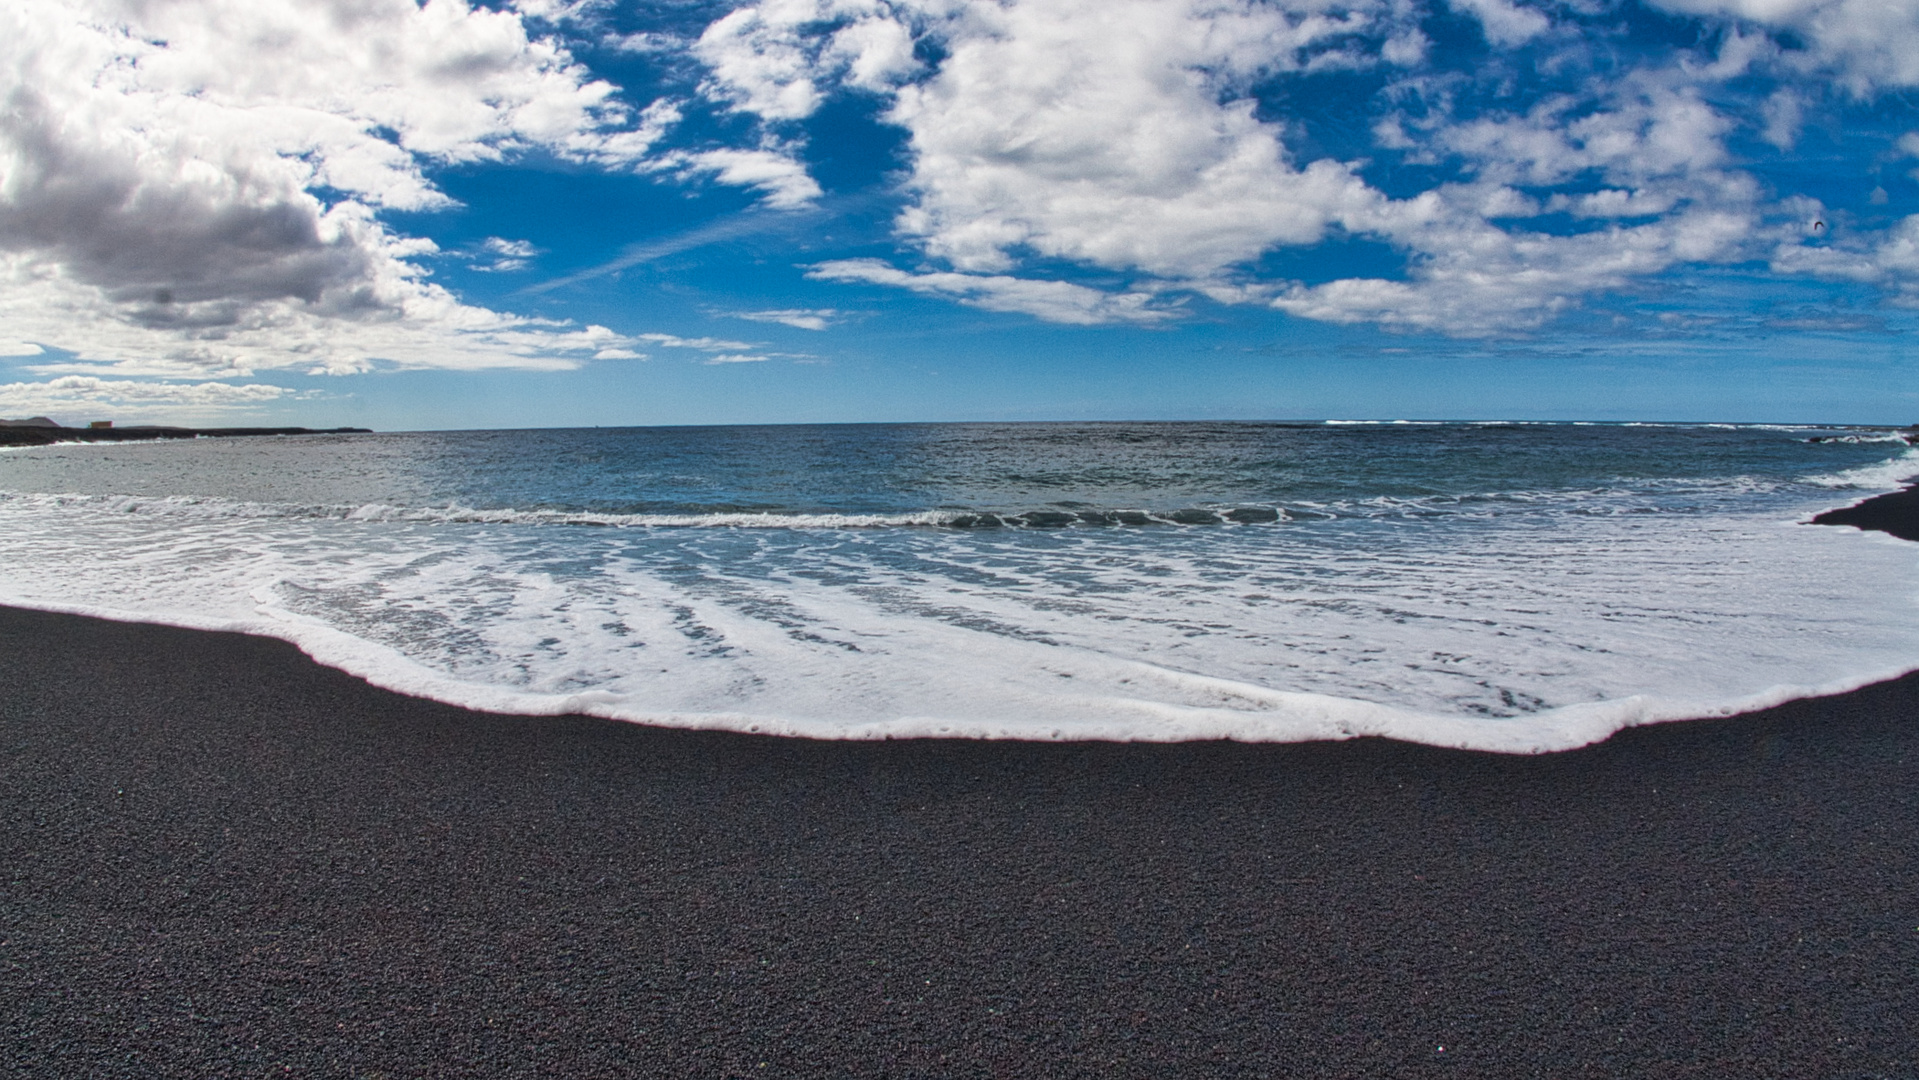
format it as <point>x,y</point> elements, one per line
<point>1895,513</point>
<point>1313,717</point>
<point>228,859</point>
<point>29,435</point>
<point>1302,716</point>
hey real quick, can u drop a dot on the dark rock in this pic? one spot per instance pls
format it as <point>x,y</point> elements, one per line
<point>1193,517</point>
<point>1253,514</point>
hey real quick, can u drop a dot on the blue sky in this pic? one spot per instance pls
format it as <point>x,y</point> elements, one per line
<point>403,215</point>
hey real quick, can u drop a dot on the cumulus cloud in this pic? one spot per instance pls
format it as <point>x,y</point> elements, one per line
<point>1641,131</point>
<point>1867,44</point>
<point>648,42</point>
<point>197,189</point>
<point>776,60</point>
<point>1784,111</point>
<point>1472,279</point>
<point>1890,261</point>
<point>1640,162</point>
<point>1112,132</point>
<point>770,58</point>
<point>1053,301</point>
<point>424,326</point>
<point>1115,133</point>
<point>1122,135</point>
<point>163,164</point>
<point>1505,24</point>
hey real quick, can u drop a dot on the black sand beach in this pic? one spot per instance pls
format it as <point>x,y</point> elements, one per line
<point>224,860</point>
<point>1896,513</point>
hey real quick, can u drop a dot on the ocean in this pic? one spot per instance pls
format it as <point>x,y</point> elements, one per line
<point>1500,586</point>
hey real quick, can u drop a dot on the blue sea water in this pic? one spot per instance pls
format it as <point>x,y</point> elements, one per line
<point>1518,587</point>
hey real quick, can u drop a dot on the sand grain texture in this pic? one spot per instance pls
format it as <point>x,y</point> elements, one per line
<point>224,860</point>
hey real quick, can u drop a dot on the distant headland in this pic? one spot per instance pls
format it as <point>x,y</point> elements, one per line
<point>40,431</point>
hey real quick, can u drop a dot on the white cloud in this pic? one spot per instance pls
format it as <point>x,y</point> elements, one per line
<point>1406,48</point>
<point>122,397</point>
<point>193,189</point>
<point>776,60</point>
<point>1053,301</point>
<point>1470,278</point>
<point>1506,24</point>
<point>1784,111</point>
<point>160,165</point>
<point>718,350</point>
<point>1890,261</point>
<point>798,318</point>
<point>506,255</point>
<point>776,172</point>
<point>770,58</point>
<point>1113,132</point>
<point>1642,131</point>
<point>704,344</point>
<point>1118,134</point>
<point>644,43</point>
<point>1121,135</point>
<point>1100,142</point>
<point>412,324</point>
<point>1868,44</point>
<point>877,52</point>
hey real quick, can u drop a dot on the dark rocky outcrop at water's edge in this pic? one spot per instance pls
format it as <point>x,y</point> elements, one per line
<point>30,433</point>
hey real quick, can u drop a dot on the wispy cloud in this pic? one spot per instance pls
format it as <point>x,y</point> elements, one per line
<point>704,344</point>
<point>125,397</point>
<point>1053,301</point>
<point>750,223</point>
<point>504,255</point>
<point>798,318</point>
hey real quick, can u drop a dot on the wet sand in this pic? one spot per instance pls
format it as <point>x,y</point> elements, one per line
<point>224,860</point>
<point>1896,513</point>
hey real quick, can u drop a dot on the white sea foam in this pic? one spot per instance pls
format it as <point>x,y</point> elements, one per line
<point>454,514</point>
<point>1518,635</point>
<point>1587,502</point>
<point>1879,476</point>
<point>1869,437</point>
